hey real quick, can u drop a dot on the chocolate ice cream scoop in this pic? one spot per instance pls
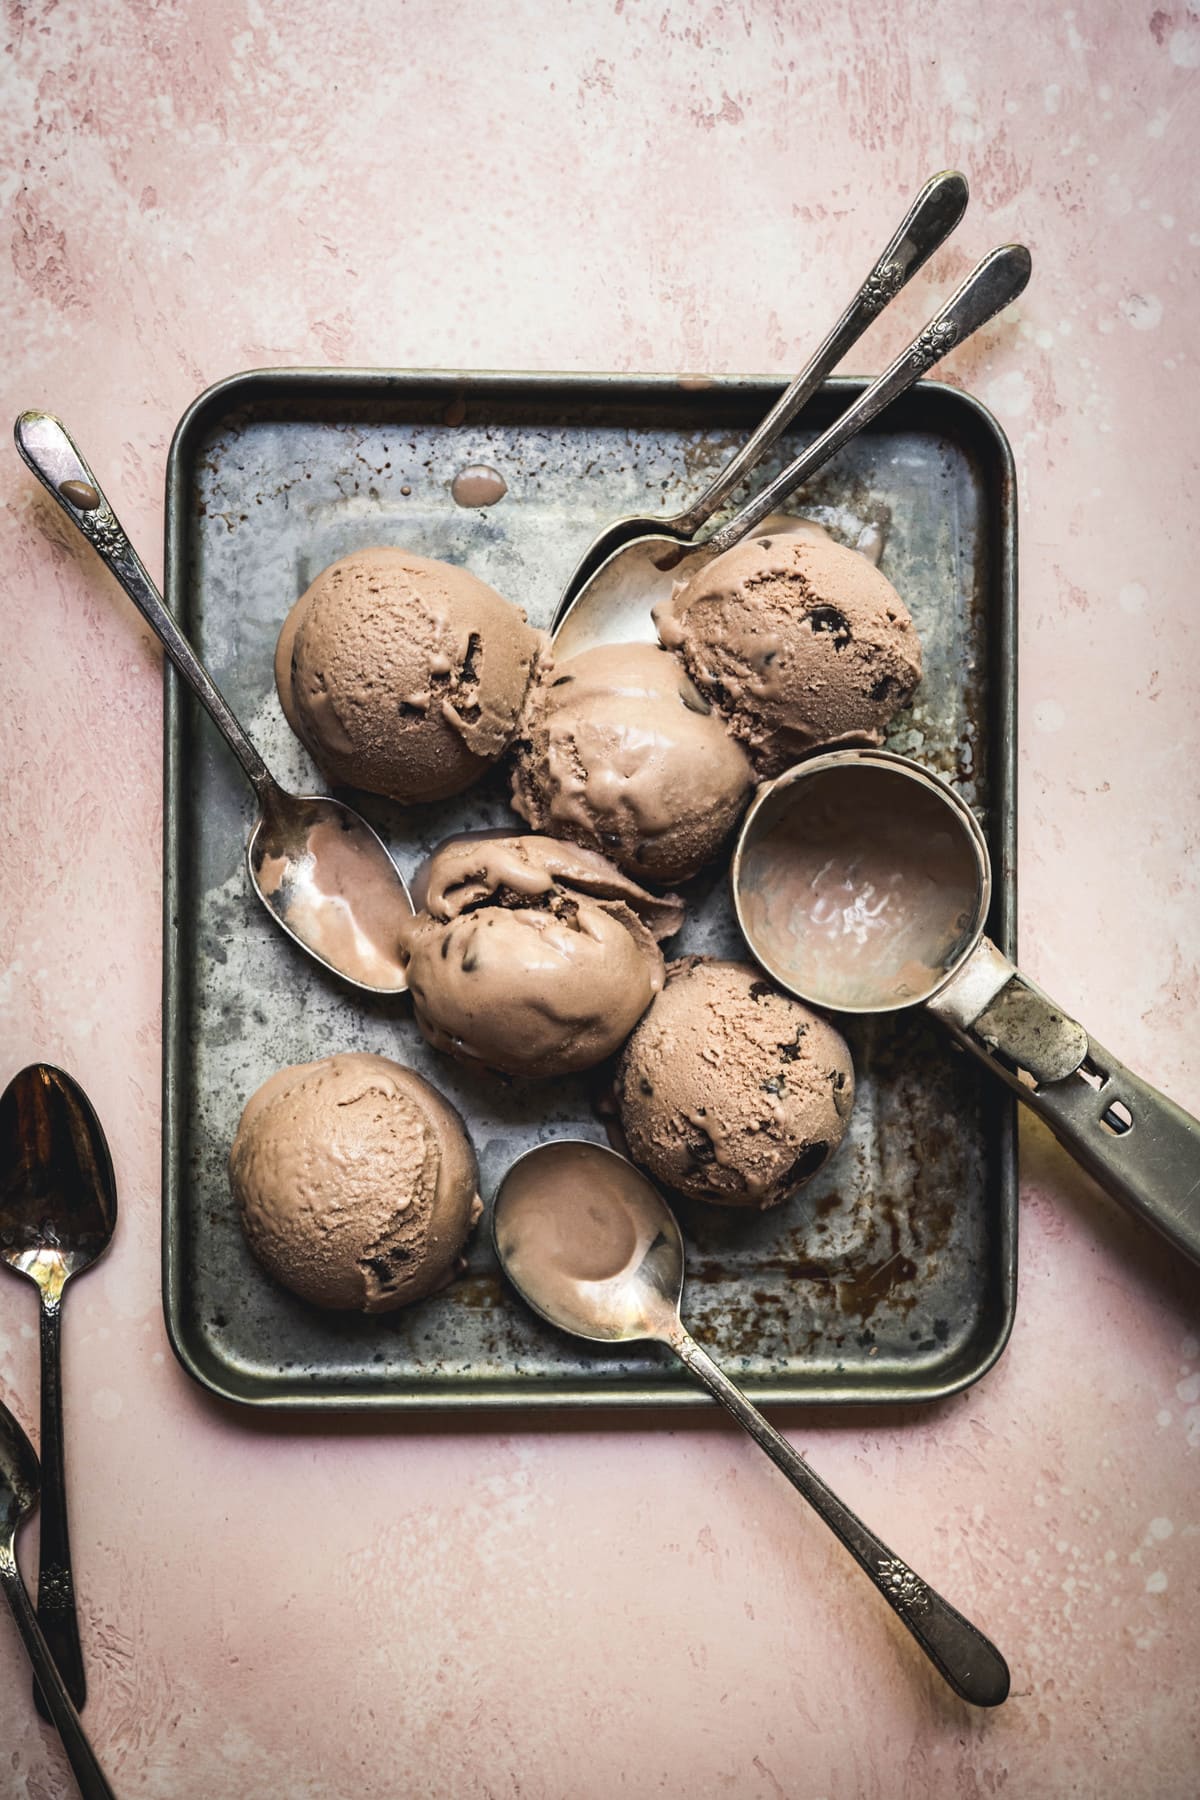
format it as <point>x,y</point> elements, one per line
<point>356,1182</point>
<point>729,1090</point>
<point>798,642</point>
<point>532,956</point>
<point>621,753</point>
<point>402,675</point>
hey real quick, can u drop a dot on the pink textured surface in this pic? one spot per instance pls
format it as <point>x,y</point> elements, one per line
<point>331,1612</point>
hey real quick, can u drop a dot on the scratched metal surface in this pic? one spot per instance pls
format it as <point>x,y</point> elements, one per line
<point>892,1276</point>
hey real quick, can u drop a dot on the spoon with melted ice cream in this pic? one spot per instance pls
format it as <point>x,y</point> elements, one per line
<point>316,865</point>
<point>591,1245</point>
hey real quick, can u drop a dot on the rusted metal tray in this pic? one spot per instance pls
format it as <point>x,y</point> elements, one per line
<point>892,1277</point>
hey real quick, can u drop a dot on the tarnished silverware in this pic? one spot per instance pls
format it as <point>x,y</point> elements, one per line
<point>595,1250</point>
<point>896,919</point>
<point>929,221</point>
<point>614,605</point>
<point>316,865</point>
<point>58,1209</point>
<point>18,1497</point>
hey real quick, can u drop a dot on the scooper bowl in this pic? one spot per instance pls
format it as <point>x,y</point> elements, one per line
<point>862,884</point>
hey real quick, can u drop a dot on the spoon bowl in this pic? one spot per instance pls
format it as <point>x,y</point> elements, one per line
<point>19,1478</point>
<point>606,1263</point>
<point>327,879</point>
<point>58,1210</point>
<point>318,868</point>
<point>58,1198</point>
<point>617,605</point>
<point>590,1244</point>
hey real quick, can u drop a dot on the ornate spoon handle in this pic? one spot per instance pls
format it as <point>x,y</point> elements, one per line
<point>47,446</point>
<point>56,1609</point>
<point>996,281</point>
<point>925,227</point>
<point>970,1663</point>
<point>80,1755</point>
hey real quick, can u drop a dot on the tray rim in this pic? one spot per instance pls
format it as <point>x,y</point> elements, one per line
<point>564,1393</point>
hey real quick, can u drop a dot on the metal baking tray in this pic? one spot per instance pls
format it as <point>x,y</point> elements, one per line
<point>891,1278</point>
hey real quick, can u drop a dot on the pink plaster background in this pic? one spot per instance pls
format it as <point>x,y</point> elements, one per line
<point>475,1612</point>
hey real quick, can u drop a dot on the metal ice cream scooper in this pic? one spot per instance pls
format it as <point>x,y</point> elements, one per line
<point>862,884</point>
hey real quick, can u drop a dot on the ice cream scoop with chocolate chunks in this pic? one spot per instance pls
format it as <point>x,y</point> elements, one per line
<point>403,675</point>
<point>619,752</point>
<point>729,1090</point>
<point>797,641</point>
<point>531,956</point>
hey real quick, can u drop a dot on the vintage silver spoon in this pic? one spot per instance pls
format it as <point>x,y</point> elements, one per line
<point>316,865</point>
<point>58,1208</point>
<point>591,1245</point>
<point>18,1497</point>
<point>614,606</point>
<point>929,221</point>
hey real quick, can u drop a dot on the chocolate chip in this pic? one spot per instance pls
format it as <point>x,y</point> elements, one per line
<point>807,1164</point>
<point>828,618</point>
<point>474,645</point>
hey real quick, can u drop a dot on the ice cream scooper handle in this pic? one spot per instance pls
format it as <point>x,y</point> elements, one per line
<point>990,287</point>
<point>48,449</point>
<point>1136,1143</point>
<point>925,227</point>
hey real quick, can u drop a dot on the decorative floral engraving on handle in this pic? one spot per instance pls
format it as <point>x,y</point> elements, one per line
<point>102,528</point>
<point>933,342</point>
<point>906,1590</point>
<point>881,285</point>
<point>56,1589</point>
